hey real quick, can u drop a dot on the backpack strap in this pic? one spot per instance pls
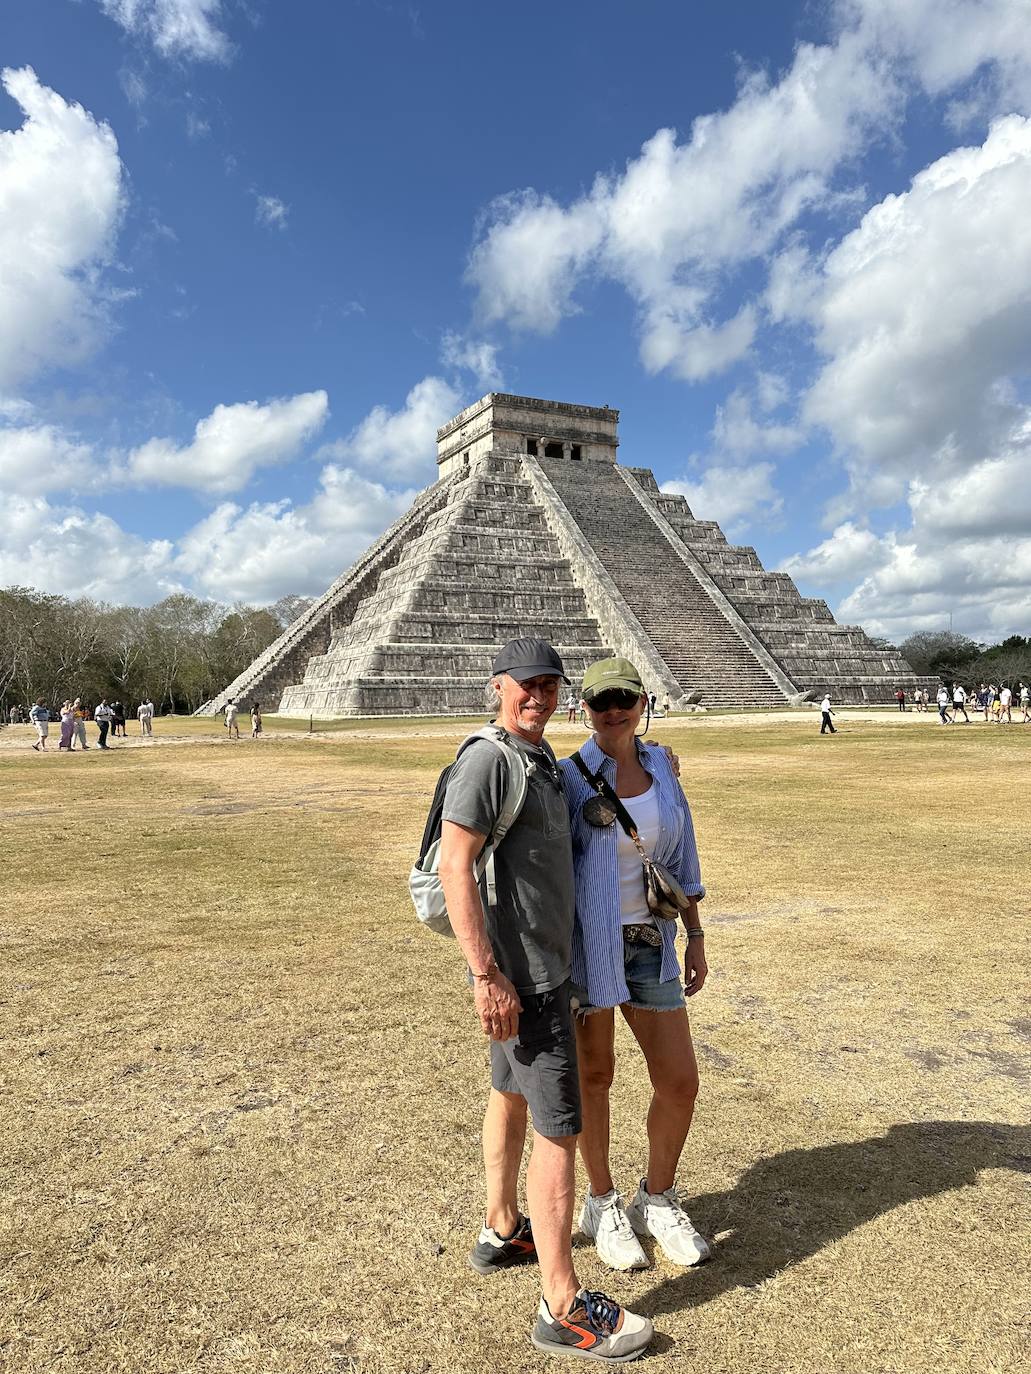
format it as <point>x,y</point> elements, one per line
<point>519,770</point>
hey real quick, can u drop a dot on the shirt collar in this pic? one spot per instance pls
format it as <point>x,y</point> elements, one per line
<point>598,761</point>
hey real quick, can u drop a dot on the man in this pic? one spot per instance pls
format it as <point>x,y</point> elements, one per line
<point>959,703</point>
<point>943,705</point>
<point>146,716</point>
<point>103,715</point>
<point>900,697</point>
<point>826,723</point>
<point>1005,705</point>
<point>983,700</point>
<point>518,952</point>
<point>40,717</point>
<point>232,711</point>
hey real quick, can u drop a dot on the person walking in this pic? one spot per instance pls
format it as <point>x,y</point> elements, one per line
<point>571,708</point>
<point>959,703</point>
<point>80,712</point>
<point>39,715</point>
<point>900,697</point>
<point>943,705</point>
<point>67,726</point>
<point>145,714</point>
<point>518,948</point>
<point>1005,704</point>
<point>255,720</point>
<point>625,956</point>
<point>117,719</point>
<point>232,721</point>
<point>983,700</point>
<point>1025,702</point>
<point>825,711</point>
<point>103,716</point>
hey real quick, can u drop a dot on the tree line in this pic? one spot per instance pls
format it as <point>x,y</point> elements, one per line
<point>956,658</point>
<point>179,652</point>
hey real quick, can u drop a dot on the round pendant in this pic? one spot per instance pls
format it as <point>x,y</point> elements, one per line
<point>599,811</point>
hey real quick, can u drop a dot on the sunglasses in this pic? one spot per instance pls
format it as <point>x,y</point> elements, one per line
<point>614,700</point>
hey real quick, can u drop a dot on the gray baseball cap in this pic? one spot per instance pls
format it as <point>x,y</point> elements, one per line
<point>526,658</point>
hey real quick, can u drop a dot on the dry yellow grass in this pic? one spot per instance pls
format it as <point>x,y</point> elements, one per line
<point>242,1092</point>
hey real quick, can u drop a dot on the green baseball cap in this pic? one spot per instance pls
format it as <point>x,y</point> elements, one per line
<point>610,674</point>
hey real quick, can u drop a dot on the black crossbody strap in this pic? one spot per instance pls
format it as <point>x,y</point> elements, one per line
<point>601,786</point>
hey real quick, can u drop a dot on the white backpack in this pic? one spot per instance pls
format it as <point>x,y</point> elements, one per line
<point>424,880</point>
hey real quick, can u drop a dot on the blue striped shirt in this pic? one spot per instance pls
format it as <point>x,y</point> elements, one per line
<point>598,931</point>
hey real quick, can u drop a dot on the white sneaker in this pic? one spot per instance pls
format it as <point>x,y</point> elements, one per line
<point>661,1215</point>
<point>605,1222</point>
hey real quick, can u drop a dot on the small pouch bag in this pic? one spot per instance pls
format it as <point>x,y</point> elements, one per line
<point>665,897</point>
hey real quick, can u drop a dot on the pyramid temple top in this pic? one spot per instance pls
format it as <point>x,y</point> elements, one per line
<point>526,424</point>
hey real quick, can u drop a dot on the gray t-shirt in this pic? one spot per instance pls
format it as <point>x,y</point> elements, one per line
<point>531,928</point>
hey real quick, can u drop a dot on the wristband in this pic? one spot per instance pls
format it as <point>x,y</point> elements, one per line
<point>695,933</point>
<point>488,972</point>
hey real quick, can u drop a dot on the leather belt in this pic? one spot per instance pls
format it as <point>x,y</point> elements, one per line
<point>642,935</point>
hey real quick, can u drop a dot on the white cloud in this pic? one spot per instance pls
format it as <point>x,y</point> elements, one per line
<point>401,443</point>
<point>684,215</point>
<point>39,458</point>
<point>271,212</point>
<point>737,433</point>
<point>475,356</point>
<point>849,552</point>
<point>923,313</point>
<point>64,549</point>
<point>177,28</point>
<point>232,443</point>
<point>60,204</point>
<point>732,495</point>
<point>260,553</point>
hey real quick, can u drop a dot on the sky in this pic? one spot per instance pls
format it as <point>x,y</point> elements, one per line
<point>253,253</point>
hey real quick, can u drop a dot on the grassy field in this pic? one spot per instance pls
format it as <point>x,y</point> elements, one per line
<point>242,1091</point>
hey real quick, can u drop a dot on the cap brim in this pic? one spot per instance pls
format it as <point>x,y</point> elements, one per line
<point>540,670</point>
<point>615,684</point>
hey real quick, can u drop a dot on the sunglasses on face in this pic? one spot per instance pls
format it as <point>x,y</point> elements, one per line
<point>614,700</point>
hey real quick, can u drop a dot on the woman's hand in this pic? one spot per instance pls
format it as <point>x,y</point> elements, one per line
<point>498,1006</point>
<point>695,967</point>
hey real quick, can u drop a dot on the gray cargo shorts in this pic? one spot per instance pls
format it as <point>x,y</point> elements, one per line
<point>539,1062</point>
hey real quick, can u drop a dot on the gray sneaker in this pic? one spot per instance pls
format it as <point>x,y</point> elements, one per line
<point>596,1328</point>
<point>661,1215</point>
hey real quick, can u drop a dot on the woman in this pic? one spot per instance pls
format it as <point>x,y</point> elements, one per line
<point>624,956</point>
<point>255,720</point>
<point>67,726</point>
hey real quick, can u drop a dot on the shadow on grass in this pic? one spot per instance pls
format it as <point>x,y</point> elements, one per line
<point>790,1206</point>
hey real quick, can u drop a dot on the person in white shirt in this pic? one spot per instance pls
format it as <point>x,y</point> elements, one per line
<point>959,700</point>
<point>103,715</point>
<point>1005,705</point>
<point>232,711</point>
<point>40,717</point>
<point>146,716</point>
<point>571,707</point>
<point>943,705</point>
<point>1025,702</point>
<point>826,723</point>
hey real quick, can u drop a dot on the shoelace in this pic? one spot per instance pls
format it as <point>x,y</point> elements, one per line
<point>602,1312</point>
<point>678,1217</point>
<point>614,1209</point>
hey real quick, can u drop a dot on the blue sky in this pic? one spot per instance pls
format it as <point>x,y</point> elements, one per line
<point>252,254</point>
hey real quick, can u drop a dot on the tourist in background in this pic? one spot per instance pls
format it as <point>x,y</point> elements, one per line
<point>255,720</point>
<point>79,713</point>
<point>1025,702</point>
<point>103,716</point>
<point>40,717</point>
<point>67,726</point>
<point>117,719</point>
<point>943,705</point>
<point>232,719</point>
<point>900,697</point>
<point>984,700</point>
<point>959,703</point>
<point>825,712</point>
<point>624,956</point>
<point>571,708</point>
<point>146,716</point>
<point>1005,705</point>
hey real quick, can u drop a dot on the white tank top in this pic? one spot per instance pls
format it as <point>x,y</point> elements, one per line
<point>644,810</point>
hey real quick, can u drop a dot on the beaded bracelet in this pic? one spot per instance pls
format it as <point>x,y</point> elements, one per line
<point>695,932</point>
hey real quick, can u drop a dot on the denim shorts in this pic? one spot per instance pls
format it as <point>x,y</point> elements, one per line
<point>642,967</point>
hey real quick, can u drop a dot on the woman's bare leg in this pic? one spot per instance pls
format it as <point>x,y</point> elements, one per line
<point>665,1038</point>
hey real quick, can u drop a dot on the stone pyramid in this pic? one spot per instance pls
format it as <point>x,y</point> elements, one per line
<point>533,528</point>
